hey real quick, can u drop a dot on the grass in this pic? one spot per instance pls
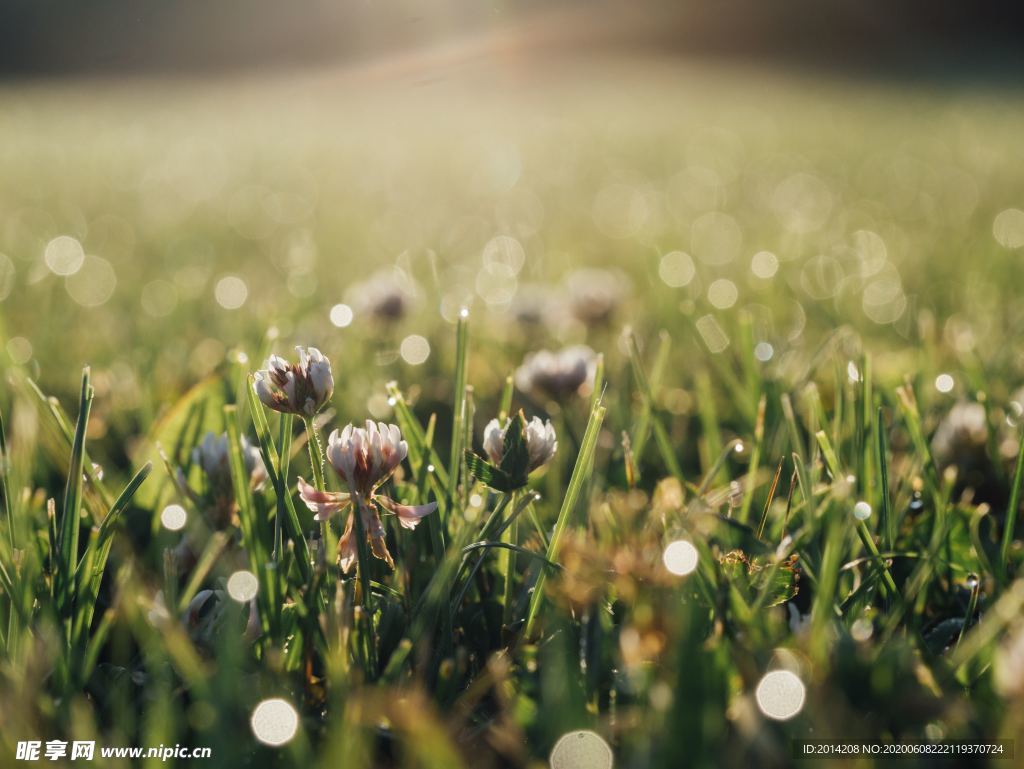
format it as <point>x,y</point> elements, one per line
<point>745,405</point>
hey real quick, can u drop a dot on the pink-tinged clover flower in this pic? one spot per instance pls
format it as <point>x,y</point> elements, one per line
<point>296,388</point>
<point>364,458</point>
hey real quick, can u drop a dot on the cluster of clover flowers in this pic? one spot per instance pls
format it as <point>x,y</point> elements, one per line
<point>364,458</point>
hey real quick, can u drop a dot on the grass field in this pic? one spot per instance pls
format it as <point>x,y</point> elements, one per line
<point>794,452</point>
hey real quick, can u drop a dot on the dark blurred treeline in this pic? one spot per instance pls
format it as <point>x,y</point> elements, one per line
<point>63,37</point>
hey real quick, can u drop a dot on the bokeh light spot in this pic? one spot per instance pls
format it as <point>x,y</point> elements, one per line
<point>581,750</point>
<point>763,351</point>
<point>341,315</point>
<point>231,292</point>
<point>780,695</point>
<point>676,269</point>
<point>243,586</point>
<point>1008,228</point>
<point>93,284</point>
<point>764,264</point>
<point>274,722</point>
<point>173,517</point>
<point>415,349</point>
<point>19,349</point>
<point>723,293</point>
<point>64,255</point>
<point>680,557</point>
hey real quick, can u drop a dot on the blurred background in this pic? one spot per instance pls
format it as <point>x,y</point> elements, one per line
<point>117,36</point>
<point>180,178</point>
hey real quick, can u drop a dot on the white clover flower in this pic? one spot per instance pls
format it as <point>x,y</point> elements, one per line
<point>595,294</point>
<point>494,440</point>
<point>541,442</point>
<point>385,296</point>
<point>211,455</point>
<point>531,306</point>
<point>301,388</point>
<point>962,436</point>
<point>216,498</point>
<point>557,374</point>
<point>364,458</point>
<point>539,436</point>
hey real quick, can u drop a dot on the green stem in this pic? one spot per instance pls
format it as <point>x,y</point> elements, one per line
<point>316,462</point>
<point>1011,517</point>
<point>363,566</point>
<point>316,456</point>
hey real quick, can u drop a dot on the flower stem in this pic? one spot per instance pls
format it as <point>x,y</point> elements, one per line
<point>316,462</point>
<point>316,455</point>
<point>363,566</point>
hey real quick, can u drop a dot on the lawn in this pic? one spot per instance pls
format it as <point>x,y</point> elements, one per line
<point>769,319</point>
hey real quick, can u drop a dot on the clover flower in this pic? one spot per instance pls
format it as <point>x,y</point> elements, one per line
<point>557,374</point>
<point>962,436</point>
<point>595,294</point>
<point>364,458</point>
<point>211,455</point>
<point>531,306</point>
<point>385,296</point>
<point>216,499</point>
<point>296,388</point>
<point>514,450</point>
<point>541,442</point>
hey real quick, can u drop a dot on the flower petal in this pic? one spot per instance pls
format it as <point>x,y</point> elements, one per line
<point>409,516</point>
<point>379,546</point>
<point>323,503</point>
<point>347,554</point>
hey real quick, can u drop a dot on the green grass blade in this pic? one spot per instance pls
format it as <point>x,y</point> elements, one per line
<point>456,460</point>
<point>888,522</point>
<point>94,562</point>
<point>1012,511</point>
<point>581,471</point>
<point>5,498</point>
<point>285,507</point>
<point>70,521</point>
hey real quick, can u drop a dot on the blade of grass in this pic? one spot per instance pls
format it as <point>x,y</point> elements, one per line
<point>581,470</point>
<point>456,459</point>
<point>70,522</point>
<point>5,499</point>
<point>1012,511</point>
<point>755,460</point>
<point>646,390</point>
<point>285,508</point>
<point>94,562</point>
